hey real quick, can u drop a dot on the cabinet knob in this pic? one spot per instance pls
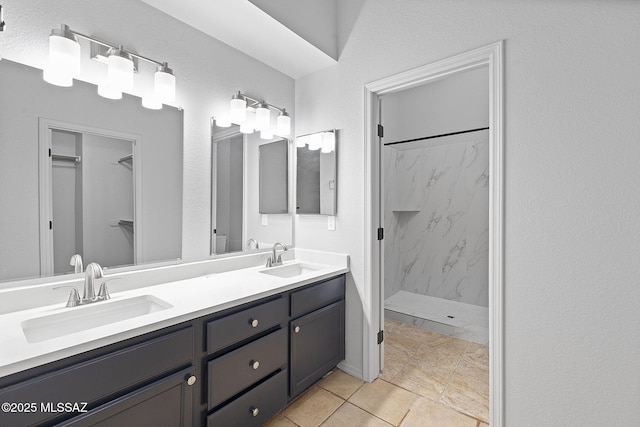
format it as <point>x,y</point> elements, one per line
<point>254,411</point>
<point>191,380</point>
<point>254,322</point>
<point>296,329</point>
<point>255,364</point>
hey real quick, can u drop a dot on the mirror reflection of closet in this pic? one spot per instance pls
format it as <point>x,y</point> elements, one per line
<point>316,180</point>
<point>227,191</point>
<point>92,199</point>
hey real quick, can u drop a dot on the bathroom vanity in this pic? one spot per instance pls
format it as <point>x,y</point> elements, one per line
<point>238,365</point>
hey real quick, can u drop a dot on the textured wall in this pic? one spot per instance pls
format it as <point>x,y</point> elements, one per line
<point>572,100</point>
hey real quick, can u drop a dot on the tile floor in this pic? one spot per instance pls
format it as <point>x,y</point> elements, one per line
<point>429,380</point>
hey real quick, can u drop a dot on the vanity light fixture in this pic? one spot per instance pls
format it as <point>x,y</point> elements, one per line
<point>65,58</point>
<point>253,114</point>
<point>324,141</point>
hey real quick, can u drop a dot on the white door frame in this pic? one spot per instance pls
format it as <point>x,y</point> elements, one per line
<point>46,126</point>
<point>373,305</point>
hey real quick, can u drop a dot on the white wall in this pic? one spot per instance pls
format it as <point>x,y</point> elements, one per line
<point>208,72</point>
<point>572,100</point>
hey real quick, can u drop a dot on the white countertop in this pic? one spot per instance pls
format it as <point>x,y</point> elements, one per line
<point>188,299</point>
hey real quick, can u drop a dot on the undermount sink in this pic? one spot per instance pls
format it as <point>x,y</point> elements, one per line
<point>90,316</point>
<point>291,270</point>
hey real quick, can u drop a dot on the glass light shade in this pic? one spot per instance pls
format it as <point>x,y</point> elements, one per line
<point>315,141</point>
<point>263,117</point>
<point>165,84</point>
<point>301,141</point>
<point>151,102</point>
<point>222,121</point>
<point>106,91</point>
<point>57,78</point>
<point>266,134</point>
<point>238,109</point>
<point>64,52</point>
<point>244,128</point>
<point>328,142</point>
<point>251,118</point>
<point>120,70</point>
<point>283,124</point>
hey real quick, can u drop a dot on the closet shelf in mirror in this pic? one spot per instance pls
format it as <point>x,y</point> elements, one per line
<point>65,158</point>
<point>125,223</point>
<point>403,210</point>
<point>128,158</point>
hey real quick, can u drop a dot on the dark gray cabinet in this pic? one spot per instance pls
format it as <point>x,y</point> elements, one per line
<point>166,402</point>
<point>317,335</point>
<point>238,367</point>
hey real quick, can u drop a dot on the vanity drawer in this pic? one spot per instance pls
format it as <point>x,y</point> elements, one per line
<point>317,296</point>
<point>100,378</point>
<point>236,327</point>
<point>255,407</point>
<point>233,372</point>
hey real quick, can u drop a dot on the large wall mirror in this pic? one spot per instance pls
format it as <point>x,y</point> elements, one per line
<point>237,223</point>
<point>316,176</point>
<point>80,174</point>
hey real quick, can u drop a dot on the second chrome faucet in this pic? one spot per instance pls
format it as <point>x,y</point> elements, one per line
<point>273,261</point>
<point>93,272</point>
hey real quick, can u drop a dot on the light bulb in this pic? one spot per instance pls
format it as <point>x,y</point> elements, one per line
<point>263,116</point>
<point>64,57</point>
<point>222,121</point>
<point>120,70</point>
<point>106,91</point>
<point>315,141</point>
<point>283,124</point>
<point>328,142</point>
<point>165,84</point>
<point>238,109</point>
<point>151,102</point>
<point>266,134</point>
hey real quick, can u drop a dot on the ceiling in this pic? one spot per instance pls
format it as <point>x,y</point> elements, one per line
<point>246,27</point>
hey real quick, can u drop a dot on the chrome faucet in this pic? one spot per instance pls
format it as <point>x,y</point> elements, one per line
<point>254,241</point>
<point>76,262</point>
<point>273,261</point>
<point>94,271</point>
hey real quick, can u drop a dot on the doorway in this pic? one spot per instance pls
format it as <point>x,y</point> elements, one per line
<point>488,56</point>
<point>90,196</point>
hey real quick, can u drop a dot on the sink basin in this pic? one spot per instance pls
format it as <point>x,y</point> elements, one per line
<point>81,318</point>
<point>291,270</point>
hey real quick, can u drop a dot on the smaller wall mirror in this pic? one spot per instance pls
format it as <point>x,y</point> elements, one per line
<point>316,174</point>
<point>274,177</point>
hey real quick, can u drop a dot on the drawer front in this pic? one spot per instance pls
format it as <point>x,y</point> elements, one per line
<point>317,296</point>
<point>228,375</point>
<point>236,327</point>
<point>255,407</point>
<point>99,378</point>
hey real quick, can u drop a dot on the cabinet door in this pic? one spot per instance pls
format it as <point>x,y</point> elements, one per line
<point>167,402</point>
<point>317,345</point>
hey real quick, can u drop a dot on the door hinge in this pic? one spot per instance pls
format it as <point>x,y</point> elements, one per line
<point>380,131</point>
<point>49,152</point>
<point>380,233</point>
<point>50,225</point>
<point>380,337</point>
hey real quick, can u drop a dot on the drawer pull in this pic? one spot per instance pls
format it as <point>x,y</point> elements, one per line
<point>254,323</point>
<point>296,329</point>
<point>255,364</point>
<point>191,380</point>
<point>254,411</point>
